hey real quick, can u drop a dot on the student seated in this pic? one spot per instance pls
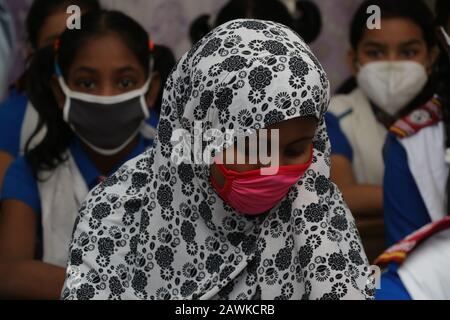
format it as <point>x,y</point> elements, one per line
<point>94,114</point>
<point>179,222</point>
<point>45,21</point>
<point>393,75</point>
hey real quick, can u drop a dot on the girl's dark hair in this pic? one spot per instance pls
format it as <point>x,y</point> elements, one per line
<point>443,74</point>
<point>41,9</point>
<point>442,12</point>
<point>50,152</point>
<point>415,10</point>
<point>164,63</point>
<point>307,20</point>
<point>38,14</point>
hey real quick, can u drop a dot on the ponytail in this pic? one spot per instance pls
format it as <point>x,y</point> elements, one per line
<point>50,151</point>
<point>200,28</point>
<point>307,20</point>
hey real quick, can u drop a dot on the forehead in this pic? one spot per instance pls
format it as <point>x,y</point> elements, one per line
<point>105,52</point>
<point>394,31</point>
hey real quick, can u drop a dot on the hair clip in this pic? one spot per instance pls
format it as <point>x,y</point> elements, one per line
<point>151,45</point>
<point>56,44</point>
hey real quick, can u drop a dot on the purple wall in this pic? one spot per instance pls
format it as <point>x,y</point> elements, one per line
<point>169,20</point>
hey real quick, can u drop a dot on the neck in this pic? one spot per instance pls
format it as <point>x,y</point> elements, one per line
<point>105,164</point>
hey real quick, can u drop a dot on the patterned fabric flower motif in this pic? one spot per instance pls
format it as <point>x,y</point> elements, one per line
<point>188,288</point>
<point>260,78</point>
<point>85,292</point>
<point>185,172</point>
<point>283,259</point>
<point>256,97</point>
<point>101,211</point>
<point>245,118</point>
<point>215,70</point>
<point>115,286</point>
<point>211,47</point>
<point>298,67</point>
<point>164,131</point>
<point>322,184</point>
<point>273,117</point>
<point>355,257</point>
<point>340,289</point>
<point>76,257</point>
<point>232,41</point>
<point>224,98</point>
<point>213,263</point>
<point>165,196</point>
<point>308,108</point>
<point>139,281</point>
<point>339,222</point>
<point>234,63</point>
<point>296,82</point>
<point>314,213</point>
<point>305,255</point>
<point>254,25</point>
<point>106,246</point>
<point>271,276</point>
<point>314,241</point>
<point>164,256</point>
<point>139,180</point>
<point>322,273</point>
<point>337,262</point>
<point>187,231</point>
<point>275,47</point>
<point>256,45</point>
<point>167,273</point>
<point>283,100</point>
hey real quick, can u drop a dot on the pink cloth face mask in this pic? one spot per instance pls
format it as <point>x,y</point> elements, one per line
<point>254,194</point>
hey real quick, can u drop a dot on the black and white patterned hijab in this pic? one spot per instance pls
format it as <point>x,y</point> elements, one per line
<point>158,230</point>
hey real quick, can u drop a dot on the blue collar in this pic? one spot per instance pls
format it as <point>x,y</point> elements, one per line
<point>91,174</point>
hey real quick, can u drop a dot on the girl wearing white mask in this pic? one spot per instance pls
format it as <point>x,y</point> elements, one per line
<point>416,189</point>
<point>94,114</point>
<point>392,68</point>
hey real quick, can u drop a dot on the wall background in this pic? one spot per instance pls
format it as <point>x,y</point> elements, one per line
<point>169,21</point>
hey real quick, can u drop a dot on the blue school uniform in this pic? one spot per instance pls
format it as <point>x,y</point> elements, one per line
<point>12,113</point>
<point>414,165</point>
<point>404,207</point>
<point>339,142</point>
<point>20,183</point>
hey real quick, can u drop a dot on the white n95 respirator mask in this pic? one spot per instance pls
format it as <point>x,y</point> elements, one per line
<point>392,85</point>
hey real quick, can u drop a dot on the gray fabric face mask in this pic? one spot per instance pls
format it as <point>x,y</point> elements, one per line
<point>107,124</point>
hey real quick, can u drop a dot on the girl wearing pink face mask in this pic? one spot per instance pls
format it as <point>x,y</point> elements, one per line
<point>170,226</point>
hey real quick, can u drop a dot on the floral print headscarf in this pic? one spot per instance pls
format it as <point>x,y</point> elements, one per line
<point>157,230</point>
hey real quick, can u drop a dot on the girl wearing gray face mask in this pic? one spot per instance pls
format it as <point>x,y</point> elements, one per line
<point>392,69</point>
<point>94,115</point>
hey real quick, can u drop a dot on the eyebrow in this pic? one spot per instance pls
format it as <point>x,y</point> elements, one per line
<point>85,69</point>
<point>403,44</point>
<point>411,42</point>
<point>126,69</point>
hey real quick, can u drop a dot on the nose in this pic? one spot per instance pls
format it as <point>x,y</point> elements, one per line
<point>107,90</point>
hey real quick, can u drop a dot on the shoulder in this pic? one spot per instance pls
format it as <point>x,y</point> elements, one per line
<point>12,113</point>
<point>15,101</point>
<point>342,105</point>
<point>426,116</point>
<point>20,184</point>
